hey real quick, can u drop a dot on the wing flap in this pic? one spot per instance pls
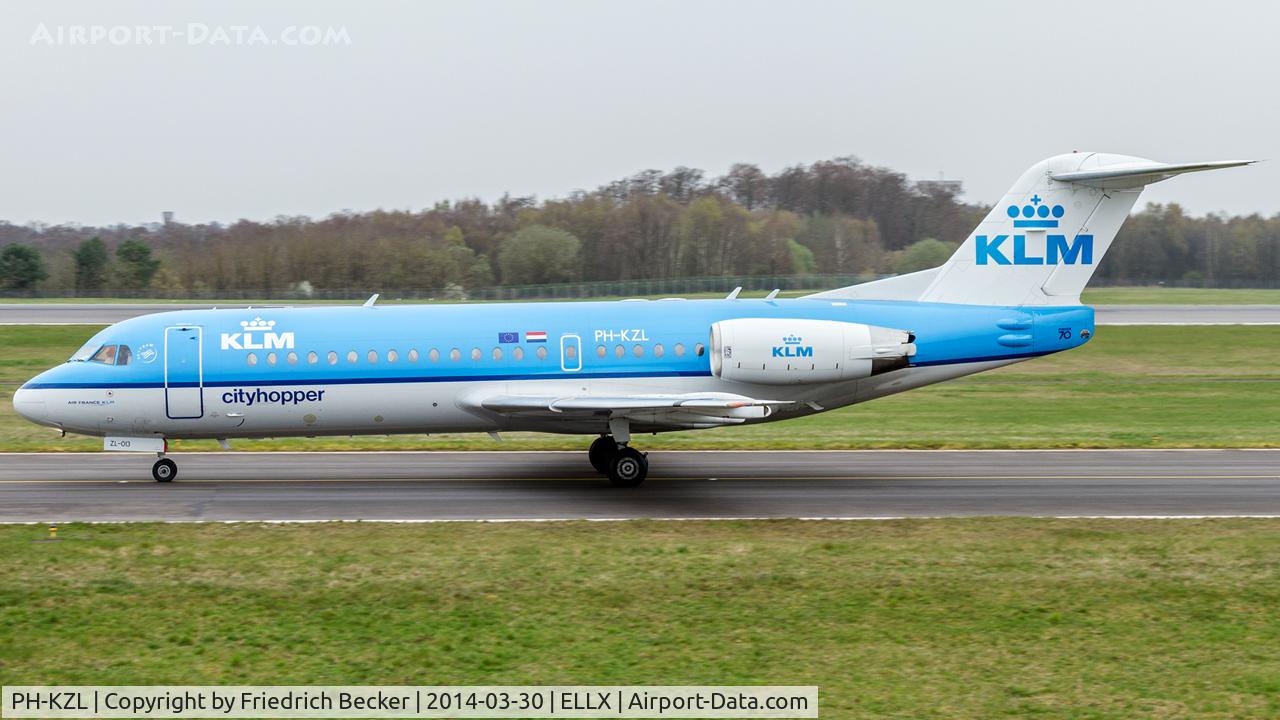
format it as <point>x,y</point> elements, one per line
<point>703,404</point>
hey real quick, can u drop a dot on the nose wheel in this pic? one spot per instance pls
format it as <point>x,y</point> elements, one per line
<point>165,470</point>
<point>624,466</point>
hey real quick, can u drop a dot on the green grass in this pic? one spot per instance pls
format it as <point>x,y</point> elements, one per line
<point>966,618</point>
<point>1150,295</point>
<point>1179,296</point>
<point>1146,386</point>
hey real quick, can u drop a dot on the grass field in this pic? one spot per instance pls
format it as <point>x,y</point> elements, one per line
<point>974,618</point>
<point>1094,296</point>
<point>1130,387</point>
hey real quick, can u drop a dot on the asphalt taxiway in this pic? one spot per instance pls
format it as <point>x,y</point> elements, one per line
<point>427,486</point>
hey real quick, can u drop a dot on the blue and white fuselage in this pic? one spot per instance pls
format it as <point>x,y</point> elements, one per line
<point>432,368</point>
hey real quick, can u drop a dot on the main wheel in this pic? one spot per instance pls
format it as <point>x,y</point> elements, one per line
<point>165,470</point>
<point>629,468</point>
<point>601,453</point>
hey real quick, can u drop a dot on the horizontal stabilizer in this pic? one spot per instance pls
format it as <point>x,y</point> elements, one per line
<point>1133,175</point>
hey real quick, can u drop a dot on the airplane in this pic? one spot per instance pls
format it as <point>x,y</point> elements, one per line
<point>1011,292</point>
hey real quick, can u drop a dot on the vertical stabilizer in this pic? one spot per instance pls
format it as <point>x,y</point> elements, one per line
<point>1042,242</point>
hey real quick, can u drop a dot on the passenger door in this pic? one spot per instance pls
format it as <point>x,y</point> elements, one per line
<point>183,373</point>
<point>570,353</point>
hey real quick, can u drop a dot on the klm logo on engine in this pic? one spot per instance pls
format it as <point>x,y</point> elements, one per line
<point>791,347</point>
<point>1006,250</point>
<point>257,334</point>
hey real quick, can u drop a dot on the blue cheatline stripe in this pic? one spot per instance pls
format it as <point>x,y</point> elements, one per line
<point>467,378</point>
<point>370,380</point>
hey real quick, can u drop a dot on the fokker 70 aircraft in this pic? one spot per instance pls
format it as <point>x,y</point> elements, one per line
<point>611,369</point>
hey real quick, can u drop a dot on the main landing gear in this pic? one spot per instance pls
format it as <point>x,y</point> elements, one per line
<point>609,455</point>
<point>165,470</point>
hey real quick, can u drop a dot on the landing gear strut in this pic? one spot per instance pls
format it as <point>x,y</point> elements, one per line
<point>609,454</point>
<point>165,470</point>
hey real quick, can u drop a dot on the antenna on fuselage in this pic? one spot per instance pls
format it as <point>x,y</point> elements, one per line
<point>734,295</point>
<point>372,299</point>
<point>773,294</point>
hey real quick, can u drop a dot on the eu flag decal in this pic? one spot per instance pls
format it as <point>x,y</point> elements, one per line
<point>508,337</point>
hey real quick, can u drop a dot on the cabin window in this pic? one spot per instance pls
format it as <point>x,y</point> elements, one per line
<point>679,348</point>
<point>105,355</point>
<point>699,349</point>
<point>658,350</point>
<point>373,357</point>
<point>251,359</point>
<point>497,353</point>
<point>619,351</point>
<point>542,352</point>
<point>292,358</point>
<point>517,352</point>
<point>434,355</point>
<point>392,356</point>
<point>455,354</point>
<point>352,357</point>
<point>638,350</point>
<point>476,354</point>
<point>271,358</point>
<point>601,351</point>
<point>570,352</point>
<point>312,358</point>
<point>413,355</point>
<point>332,358</point>
<point>124,355</point>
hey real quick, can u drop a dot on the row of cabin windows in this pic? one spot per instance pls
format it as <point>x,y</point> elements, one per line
<point>517,353</point>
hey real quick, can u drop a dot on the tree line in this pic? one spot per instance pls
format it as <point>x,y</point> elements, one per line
<point>838,216</point>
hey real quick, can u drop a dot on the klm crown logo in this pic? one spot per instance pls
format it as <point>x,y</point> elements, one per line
<point>991,250</point>
<point>257,325</point>
<point>1035,215</point>
<point>791,340</point>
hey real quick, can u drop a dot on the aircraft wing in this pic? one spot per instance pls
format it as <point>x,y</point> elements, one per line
<point>719,408</point>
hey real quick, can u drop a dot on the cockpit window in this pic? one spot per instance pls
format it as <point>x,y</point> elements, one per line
<point>105,355</point>
<point>124,355</point>
<point>84,353</point>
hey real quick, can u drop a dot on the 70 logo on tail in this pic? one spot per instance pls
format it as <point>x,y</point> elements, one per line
<point>991,250</point>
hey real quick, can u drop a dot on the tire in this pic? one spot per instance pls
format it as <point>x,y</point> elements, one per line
<point>601,453</point>
<point>165,470</point>
<point>629,468</point>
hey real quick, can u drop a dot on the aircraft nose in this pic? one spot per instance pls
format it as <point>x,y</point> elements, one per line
<point>30,405</point>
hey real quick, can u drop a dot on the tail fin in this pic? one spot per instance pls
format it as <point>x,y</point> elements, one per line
<point>1042,242</point>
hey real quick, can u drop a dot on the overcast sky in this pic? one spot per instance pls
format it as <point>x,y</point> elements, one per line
<point>442,100</point>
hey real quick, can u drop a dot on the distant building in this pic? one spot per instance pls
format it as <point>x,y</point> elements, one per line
<point>168,217</point>
<point>952,187</point>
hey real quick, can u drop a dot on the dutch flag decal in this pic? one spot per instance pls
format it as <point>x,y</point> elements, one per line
<point>535,336</point>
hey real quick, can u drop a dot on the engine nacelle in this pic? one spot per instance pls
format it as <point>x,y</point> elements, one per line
<point>773,351</point>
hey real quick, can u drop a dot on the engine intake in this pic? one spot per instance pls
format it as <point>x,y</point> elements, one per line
<point>773,351</point>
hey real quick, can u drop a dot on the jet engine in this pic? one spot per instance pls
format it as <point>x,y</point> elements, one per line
<point>773,351</point>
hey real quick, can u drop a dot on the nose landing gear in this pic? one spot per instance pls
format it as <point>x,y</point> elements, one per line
<point>165,470</point>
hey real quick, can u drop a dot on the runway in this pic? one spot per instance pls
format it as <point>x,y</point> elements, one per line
<point>105,313</point>
<point>427,486</point>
